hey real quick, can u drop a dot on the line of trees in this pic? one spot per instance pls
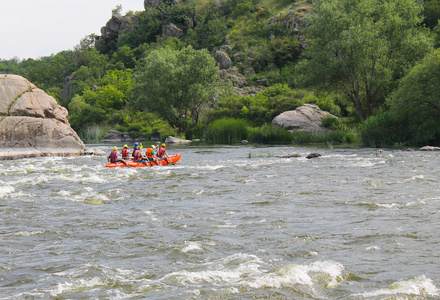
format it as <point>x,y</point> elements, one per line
<point>371,62</point>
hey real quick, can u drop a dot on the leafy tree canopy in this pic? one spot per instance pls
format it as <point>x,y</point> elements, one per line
<point>361,47</point>
<point>176,84</point>
<point>417,100</point>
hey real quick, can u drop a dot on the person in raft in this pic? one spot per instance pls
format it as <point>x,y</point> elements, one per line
<point>162,153</point>
<point>151,155</point>
<point>137,155</point>
<point>113,157</point>
<point>125,153</point>
<point>134,149</point>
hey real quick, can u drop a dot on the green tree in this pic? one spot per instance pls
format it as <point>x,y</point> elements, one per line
<point>361,47</point>
<point>176,84</point>
<point>431,12</point>
<point>417,101</point>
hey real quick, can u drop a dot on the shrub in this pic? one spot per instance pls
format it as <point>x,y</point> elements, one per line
<point>270,135</point>
<point>226,131</point>
<point>331,122</point>
<point>382,130</point>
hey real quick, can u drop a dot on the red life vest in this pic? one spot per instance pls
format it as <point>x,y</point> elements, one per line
<point>125,153</point>
<point>137,155</point>
<point>114,156</point>
<point>161,152</point>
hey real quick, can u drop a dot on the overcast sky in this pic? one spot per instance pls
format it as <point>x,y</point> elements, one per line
<point>35,28</point>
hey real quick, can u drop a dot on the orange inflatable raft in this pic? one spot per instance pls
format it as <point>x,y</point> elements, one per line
<point>173,157</point>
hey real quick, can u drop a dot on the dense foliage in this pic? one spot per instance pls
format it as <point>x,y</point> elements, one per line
<point>362,47</point>
<point>175,84</point>
<point>360,63</point>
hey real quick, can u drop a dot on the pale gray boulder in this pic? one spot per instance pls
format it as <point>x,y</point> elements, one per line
<point>307,117</point>
<point>174,140</point>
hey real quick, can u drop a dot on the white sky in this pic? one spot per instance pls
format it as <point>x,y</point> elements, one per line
<point>35,28</point>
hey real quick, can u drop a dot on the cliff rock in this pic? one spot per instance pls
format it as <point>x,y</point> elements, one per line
<point>32,123</point>
<point>172,31</point>
<point>222,59</point>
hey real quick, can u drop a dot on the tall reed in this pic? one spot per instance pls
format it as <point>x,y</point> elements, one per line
<point>226,131</point>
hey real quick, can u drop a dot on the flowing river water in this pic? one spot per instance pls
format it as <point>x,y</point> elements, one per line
<point>224,223</point>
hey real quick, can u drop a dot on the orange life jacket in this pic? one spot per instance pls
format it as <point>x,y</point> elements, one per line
<point>149,153</point>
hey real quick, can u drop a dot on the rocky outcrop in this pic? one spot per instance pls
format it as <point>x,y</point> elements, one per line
<point>32,123</point>
<point>172,31</point>
<point>222,59</point>
<point>114,136</point>
<point>307,117</point>
<point>239,82</point>
<point>116,26</point>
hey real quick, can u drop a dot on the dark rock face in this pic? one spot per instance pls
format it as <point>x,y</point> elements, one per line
<point>115,26</point>
<point>313,155</point>
<point>32,123</point>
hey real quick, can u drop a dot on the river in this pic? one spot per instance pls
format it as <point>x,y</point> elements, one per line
<point>226,222</point>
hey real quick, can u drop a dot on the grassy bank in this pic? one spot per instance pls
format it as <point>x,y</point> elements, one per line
<point>231,131</point>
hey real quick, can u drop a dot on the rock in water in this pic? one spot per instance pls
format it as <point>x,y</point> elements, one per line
<point>313,155</point>
<point>32,123</point>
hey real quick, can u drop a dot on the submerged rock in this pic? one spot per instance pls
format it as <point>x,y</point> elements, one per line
<point>430,148</point>
<point>32,123</point>
<point>288,155</point>
<point>313,155</point>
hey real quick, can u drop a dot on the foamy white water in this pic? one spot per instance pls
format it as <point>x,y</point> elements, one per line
<point>221,225</point>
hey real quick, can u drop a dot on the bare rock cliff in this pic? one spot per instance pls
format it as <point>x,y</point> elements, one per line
<point>32,123</point>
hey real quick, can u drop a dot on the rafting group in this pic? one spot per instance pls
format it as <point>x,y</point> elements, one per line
<point>136,158</point>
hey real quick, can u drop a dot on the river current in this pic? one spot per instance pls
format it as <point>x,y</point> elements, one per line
<point>224,223</point>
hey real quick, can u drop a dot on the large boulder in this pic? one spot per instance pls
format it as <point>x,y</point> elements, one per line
<point>32,123</point>
<point>307,117</point>
<point>174,140</point>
